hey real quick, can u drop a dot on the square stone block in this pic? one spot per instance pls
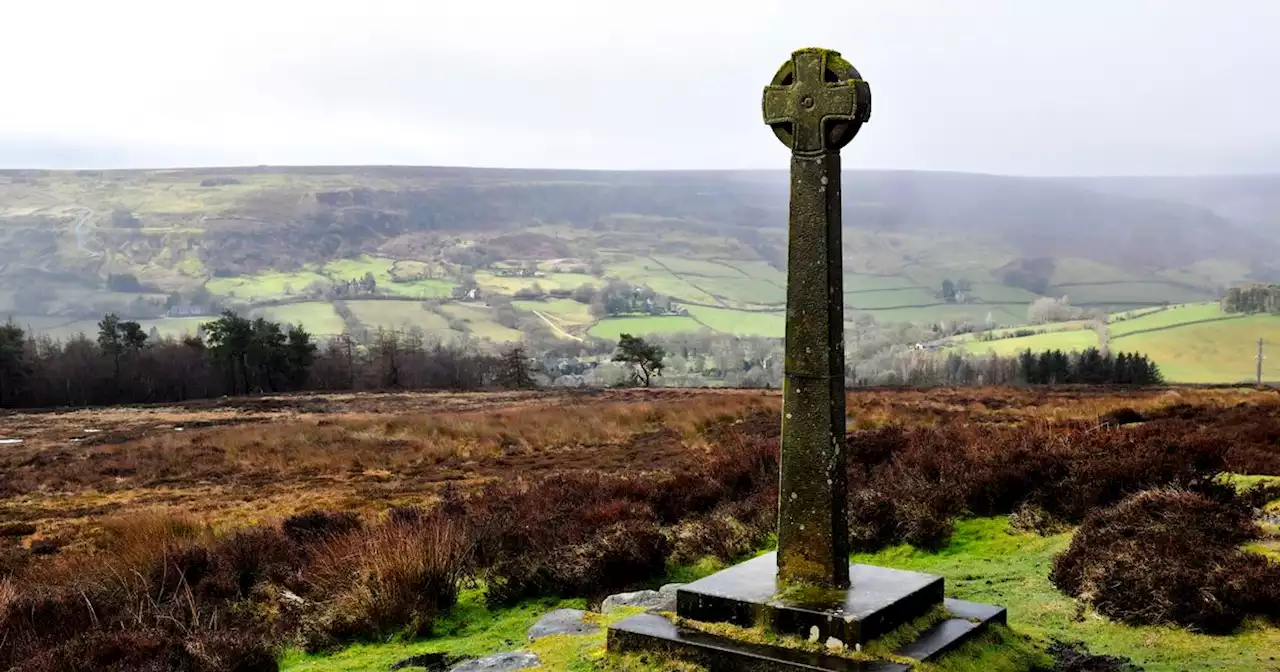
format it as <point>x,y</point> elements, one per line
<point>877,601</point>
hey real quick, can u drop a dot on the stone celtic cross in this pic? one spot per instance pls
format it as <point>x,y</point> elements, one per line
<point>816,103</point>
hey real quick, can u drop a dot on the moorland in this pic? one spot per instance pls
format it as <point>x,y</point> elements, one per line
<point>348,531</point>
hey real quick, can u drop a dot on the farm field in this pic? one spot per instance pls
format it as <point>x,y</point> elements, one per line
<point>479,321</point>
<point>1210,352</point>
<point>1066,341</point>
<point>739,322</point>
<point>88,478</point>
<point>613,327</point>
<point>566,312</point>
<point>1172,316</point>
<point>397,315</point>
<point>318,317</point>
<point>1192,343</point>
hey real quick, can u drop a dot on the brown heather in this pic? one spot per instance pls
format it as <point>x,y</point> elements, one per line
<point>322,520</point>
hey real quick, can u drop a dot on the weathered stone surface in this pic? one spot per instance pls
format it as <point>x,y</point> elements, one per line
<point>649,599</point>
<point>562,622</point>
<point>748,594</point>
<point>501,662</point>
<point>815,104</point>
<point>651,632</point>
<point>671,588</point>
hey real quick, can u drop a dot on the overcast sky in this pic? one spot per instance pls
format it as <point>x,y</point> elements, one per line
<point>1084,87</point>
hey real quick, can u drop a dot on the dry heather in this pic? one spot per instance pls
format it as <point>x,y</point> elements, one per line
<point>533,494</point>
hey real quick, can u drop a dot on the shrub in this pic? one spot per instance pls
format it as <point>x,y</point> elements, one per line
<point>1170,556</point>
<point>46,546</point>
<point>155,650</point>
<point>17,529</point>
<point>911,483</point>
<point>392,578</point>
<point>319,525</point>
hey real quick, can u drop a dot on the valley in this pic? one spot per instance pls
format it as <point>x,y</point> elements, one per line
<point>498,256</point>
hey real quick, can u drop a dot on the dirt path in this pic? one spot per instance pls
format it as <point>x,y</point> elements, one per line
<point>556,327</point>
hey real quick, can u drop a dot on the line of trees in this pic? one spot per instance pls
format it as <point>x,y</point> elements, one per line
<point>236,355</point>
<point>1087,367</point>
<point>1252,299</point>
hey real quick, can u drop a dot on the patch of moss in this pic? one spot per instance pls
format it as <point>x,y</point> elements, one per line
<point>884,647</point>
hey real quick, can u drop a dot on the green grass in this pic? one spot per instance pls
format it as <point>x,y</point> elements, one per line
<point>263,286</point>
<point>741,291</point>
<point>986,563</point>
<point>612,328</point>
<point>479,321</point>
<point>431,288</point>
<point>566,312</point>
<point>741,323</point>
<point>1058,340</point>
<point>1210,352</point>
<point>397,315</point>
<point>760,270</point>
<point>1070,270</point>
<point>891,298</point>
<point>1174,315</point>
<point>699,267</point>
<point>1137,292</point>
<point>474,630</point>
<point>318,317</point>
<point>857,282</point>
<point>471,629</point>
<point>992,292</point>
<point>1001,313</point>
<point>354,269</point>
<point>547,282</point>
<point>676,288</point>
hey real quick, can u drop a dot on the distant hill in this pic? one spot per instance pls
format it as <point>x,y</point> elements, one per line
<point>75,244</point>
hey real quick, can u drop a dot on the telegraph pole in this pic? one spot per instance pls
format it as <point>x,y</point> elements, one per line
<point>1260,362</point>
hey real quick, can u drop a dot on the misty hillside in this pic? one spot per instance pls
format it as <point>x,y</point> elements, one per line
<point>73,244</point>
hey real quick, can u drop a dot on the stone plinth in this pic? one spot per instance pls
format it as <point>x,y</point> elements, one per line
<point>746,595</point>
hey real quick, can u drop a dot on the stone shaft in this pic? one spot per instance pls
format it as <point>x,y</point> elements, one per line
<point>813,535</point>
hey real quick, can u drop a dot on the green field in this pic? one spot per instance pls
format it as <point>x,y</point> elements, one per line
<point>1171,316</point>
<point>761,270</point>
<point>548,281</point>
<point>1001,313</point>
<point>478,319</point>
<point>741,323</point>
<point>397,315</point>
<point>1192,343</point>
<point>263,286</point>
<point>318,317</point>
<point>1210,352</point>
<point>991,292</point>
<point>1073,270</point>
<point>741,291</point>
<point>1120,293</point>
<point>612,328</point>
<point>856,282</point>
<point>890,298</point>
<point>1059,340</point>
<point>566,312</point>
<point>699,267</point>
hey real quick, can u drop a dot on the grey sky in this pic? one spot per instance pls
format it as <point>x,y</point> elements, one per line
<point>1002,86</point>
